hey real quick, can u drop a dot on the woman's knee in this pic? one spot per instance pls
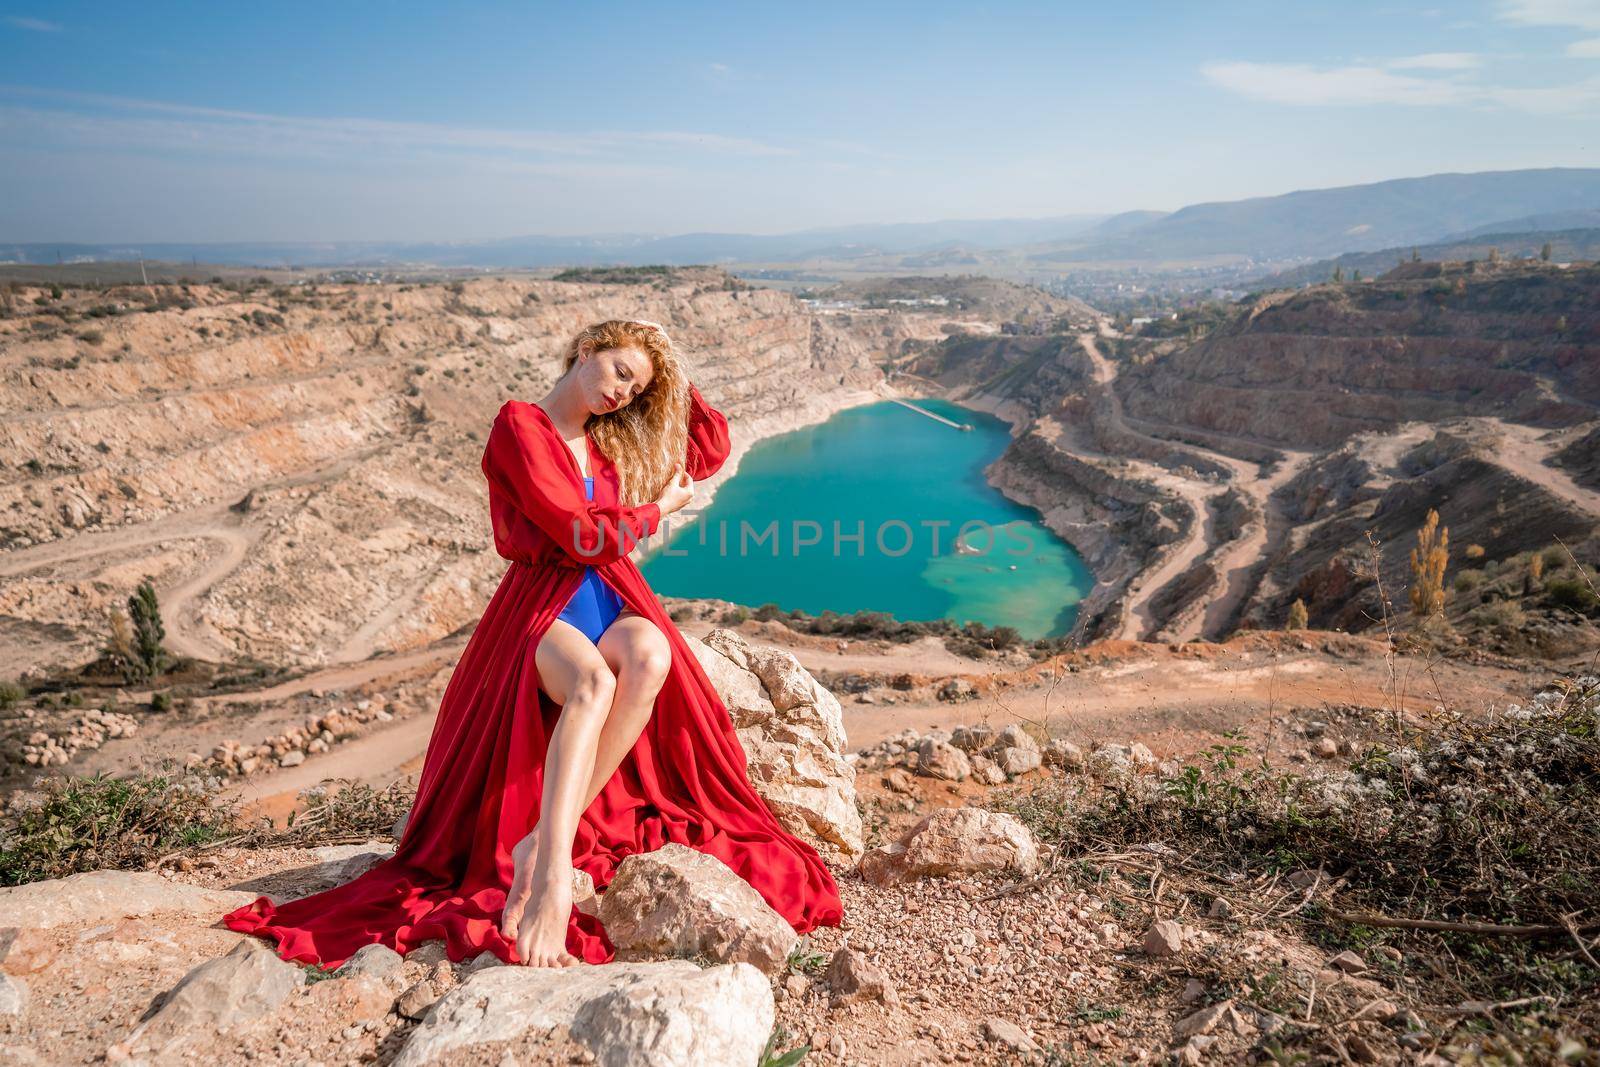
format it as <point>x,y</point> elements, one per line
<point>648,659</point>
<point>594,685</point>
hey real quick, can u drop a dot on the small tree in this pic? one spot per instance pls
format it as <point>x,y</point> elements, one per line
<point>1338,273</point>
<point>1298,618</point>
<point>1427,567</point>
<point>1416,257</point>
<point>1544,252</point>
<point>147,630</point>
<point>1533,580</point>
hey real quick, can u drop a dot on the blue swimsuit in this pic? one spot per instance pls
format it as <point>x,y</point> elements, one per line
<point>595,605</point>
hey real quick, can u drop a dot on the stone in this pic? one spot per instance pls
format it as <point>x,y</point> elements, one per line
<point>954,841</point>
<point>356,999</point>
<point>679,901</point>
<point>376,961</point>
<point>1348,962</point>
<point>245,985</point>
<point>1164,938</point>
<point>940,759</point>
<point>95,897</point>
<point>1016,760</point>
<point>791,729</point>
<point>1064,754</point>
<point>343,863</point>
<point>1325,748</point>
<point>851,976</point>
<point>1221,1015</point>
<point>292,758</point>
<point>13,995</point>
<point>1009,1034</point>
<point>987,770</point>
<point>25,951</point>
<point>1219,909</point>
<point>972,737</point>
<point>667,1014</point>
<point>899,781</point>
<point>955,690</point>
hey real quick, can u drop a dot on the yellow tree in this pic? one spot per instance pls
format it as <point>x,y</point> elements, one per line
<point>1427,567</point>
<point>1298,617</point>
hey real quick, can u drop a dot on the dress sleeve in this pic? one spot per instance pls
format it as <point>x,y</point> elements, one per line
<point>708,437</point>
<point>519,462</point>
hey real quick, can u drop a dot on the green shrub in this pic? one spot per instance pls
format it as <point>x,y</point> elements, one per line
<point>84,824</point>
<point>1571,593</point>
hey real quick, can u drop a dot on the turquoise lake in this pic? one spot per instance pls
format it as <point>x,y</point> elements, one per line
<point>893,476</point>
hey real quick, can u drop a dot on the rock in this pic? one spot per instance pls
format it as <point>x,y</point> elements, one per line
<point>96,897</point>
<point>1064,754</point>
<point>375,961</point>
<point>25,951</point>
<point>292,758</point>
<point>13,995</point>
<point>1009,1034</point>
<point>666,1014</point>
<point>357,999</point>
<point>1222,1015</point>
<point>851,976</point>
<point>987,770</point>
<point>398,830</point>
<point>1325,748</point>
<point>940,759</point>
<point>1219,909</point>
<point>343,863</point>
<point>1194,991</point>
<point>971,738</point>
<point>792,731</point>
<point>1014,761</point>
<point>415,1001</point>
<point>679,901</point>
<point>955,690</point>
<point>1348,962</point>
<point>954,841</point>
<point>248,983</point>
<point>899,781</point>
<point>1117,760</point>
<point>1164,938</point>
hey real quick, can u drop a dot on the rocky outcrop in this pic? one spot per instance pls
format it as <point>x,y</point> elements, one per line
<point>953,842</point>
<point>678,901</point>
<point>792,732</point>
<point>670,1013</point>
<point>95,897</point>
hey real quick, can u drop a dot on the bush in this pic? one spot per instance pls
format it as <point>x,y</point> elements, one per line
<point>84,824</point>
<point>1571,593</point>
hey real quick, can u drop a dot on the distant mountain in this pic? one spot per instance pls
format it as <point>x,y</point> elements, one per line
<point>1588,219</point>
<point>1566,246</point>
<point>1353,218</point>
<point>620,249</point>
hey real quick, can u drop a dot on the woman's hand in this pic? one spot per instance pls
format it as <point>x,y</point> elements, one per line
<point>678,493</point>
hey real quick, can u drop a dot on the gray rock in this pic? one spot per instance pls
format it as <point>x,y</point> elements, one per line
<point>96,897</point>
<point>952,842</point>
<point>666,1014</point>
<point>679,901</point>
<point>247,984</point>
<point>376,961</point>
<point>1164,938</point>
<point>940,759</point>
<point>13,995</point>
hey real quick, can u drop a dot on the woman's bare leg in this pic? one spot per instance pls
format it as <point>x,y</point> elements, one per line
<point>539,904</point>
<point>638,654</point>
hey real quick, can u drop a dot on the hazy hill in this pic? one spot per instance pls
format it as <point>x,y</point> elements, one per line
<point>1566,246</point>
<point>1322,222</point>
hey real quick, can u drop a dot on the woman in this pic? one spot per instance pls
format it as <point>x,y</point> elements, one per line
<point>578,728</point>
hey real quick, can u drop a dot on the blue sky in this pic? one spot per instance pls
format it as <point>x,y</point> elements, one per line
<point>396,121</point>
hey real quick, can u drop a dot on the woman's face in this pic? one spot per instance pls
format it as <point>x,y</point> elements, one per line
<point>613,377</point>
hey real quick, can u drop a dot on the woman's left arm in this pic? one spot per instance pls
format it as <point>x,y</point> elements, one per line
<point>708,437</point>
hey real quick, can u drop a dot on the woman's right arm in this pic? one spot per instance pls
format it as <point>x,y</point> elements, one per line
<point>519,460</point>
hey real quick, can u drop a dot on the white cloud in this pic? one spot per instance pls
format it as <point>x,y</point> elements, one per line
<point>22,22</point>
<point>154,124</point>
<point>1351,86</point>
<point>1303,84</point>
<point>1588,48</point>
<point>1437,61</point>
<point>1584,14</point>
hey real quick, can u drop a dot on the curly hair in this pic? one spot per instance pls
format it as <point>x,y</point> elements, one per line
<point>646,439</point>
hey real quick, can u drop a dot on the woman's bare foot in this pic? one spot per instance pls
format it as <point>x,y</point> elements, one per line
<point>542,928</point>
<point>524,858</point>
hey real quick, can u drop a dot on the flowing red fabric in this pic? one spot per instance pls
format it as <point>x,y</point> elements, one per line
<point>684,780</point>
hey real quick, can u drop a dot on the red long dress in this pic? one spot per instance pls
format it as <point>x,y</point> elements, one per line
<point>684,780</point>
